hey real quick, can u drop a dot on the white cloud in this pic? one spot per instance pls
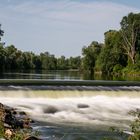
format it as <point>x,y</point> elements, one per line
<point>66,10</point>
<point>65,23</point>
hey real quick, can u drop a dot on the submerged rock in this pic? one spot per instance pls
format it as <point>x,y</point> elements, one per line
<point>50,109</point>
<point>32,138</point>
<point>22,113</point>
<point>83,106</point>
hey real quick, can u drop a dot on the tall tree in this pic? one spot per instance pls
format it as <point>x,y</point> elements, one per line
<point>1,32</point>
<point>130,31</point>
<point>74,62</point>
<point>2,52</point>
<point>90,55</point>
<point>62,63</point>
<point>112,54</point>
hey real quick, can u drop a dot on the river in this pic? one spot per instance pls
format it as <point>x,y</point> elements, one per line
<point>76,113</point>
<point>73,112</point>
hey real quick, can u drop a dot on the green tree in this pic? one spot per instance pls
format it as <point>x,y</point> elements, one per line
<point>74,62</point>
<point>49,62</point>
<point>28,60</point>
<point>2,52</point>
<point>130,31</point>
<point>62,63</point>
<point>1,32</point>
<point>52,62</point>
<point>112,54</point>
<point>2,58</point>
<point>37,62</point>
<point>11,57</point>
<point>90,55</point>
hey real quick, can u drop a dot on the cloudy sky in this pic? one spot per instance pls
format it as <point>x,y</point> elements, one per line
<point>61,27</point>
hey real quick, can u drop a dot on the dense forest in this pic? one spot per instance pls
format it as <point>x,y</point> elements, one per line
<point>120,53</point>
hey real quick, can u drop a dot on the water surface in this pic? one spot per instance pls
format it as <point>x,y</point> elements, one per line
<point>76,114</point>
<point>73,112</point>
<point>64,75</point>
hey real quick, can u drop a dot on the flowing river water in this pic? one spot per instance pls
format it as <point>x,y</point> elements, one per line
<point>69,113</point>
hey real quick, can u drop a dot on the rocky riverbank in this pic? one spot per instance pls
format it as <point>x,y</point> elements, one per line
<point>15,125</point>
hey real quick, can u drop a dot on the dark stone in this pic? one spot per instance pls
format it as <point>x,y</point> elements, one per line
<point>32,121</point>
<point>14,112</point>
<point>50,109</point>
<point>22,113</point>
<point>32,138</point>
<point>83,106</point>
<point>12,121</point>
<point>29,120</point>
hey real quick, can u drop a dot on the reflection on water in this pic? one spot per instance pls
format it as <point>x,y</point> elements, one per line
<point>43,74</point>
<point>64,75</point>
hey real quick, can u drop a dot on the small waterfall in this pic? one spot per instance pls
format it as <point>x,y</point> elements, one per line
<point>90,108</point>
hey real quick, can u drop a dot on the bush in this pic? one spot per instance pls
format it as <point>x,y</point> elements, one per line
<point>134,126</point>
<point>132,69</point>
<point>117,68</point>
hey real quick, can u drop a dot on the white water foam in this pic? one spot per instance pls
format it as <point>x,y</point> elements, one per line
<point>76,108</point>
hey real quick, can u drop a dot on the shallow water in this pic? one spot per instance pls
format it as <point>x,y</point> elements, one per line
<point>71,114</point>
<point>65,75</point>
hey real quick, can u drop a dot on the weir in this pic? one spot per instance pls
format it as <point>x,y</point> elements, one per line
<point>58,82</point>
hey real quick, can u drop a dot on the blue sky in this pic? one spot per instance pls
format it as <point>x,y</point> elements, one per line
<point>61,27</point>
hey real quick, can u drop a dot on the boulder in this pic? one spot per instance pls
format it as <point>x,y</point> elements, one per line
<point>83,106</point>
<point>11,120</point>
<point>14,121</point>
<point>50,110</point>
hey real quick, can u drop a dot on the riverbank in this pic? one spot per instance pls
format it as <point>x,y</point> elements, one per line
<point>15,124</point>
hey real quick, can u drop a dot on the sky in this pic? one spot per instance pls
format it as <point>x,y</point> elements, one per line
<point>61,27</point>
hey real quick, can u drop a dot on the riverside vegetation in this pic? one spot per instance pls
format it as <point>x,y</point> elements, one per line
<point>120,53</point>
<point>134,126</point>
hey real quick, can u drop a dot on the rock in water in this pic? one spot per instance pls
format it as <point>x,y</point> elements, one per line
<point>32,138</point>
<point>11,123</point>
<point>83,106</point>
<point>11,120</point>
<point>50,110</point>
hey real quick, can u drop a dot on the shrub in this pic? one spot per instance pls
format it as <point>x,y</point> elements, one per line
<point>117,68</point>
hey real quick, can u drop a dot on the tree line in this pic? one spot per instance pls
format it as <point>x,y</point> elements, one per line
<point>13,59</point>
<point>119,53</point>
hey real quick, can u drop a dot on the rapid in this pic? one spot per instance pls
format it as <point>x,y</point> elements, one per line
<point>72,113</point>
